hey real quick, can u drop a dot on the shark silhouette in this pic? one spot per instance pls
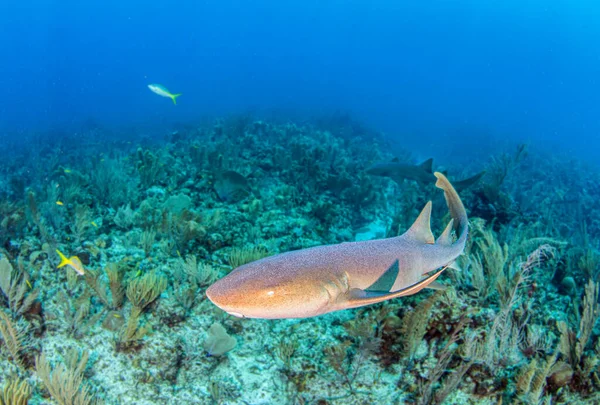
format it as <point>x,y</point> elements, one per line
<point>318,280</point>
<point>422,173</point>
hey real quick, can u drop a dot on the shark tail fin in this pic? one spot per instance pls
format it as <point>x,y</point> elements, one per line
<point>455,206</point>
<point>174,98</point>
<point>427,165</point>
<point>63,259</point>
<point>466,183</point>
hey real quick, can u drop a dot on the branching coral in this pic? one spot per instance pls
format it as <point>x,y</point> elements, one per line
<point>65,381</point>
<point>76,315</point>
<point>124,217</point>
<point>131,334</point>
<point>149,167</point>
<point>15,286</point>
<point>241,256</point>
<point>189,276</point>
<point>414,326</point>
<point>113,183</point>
<point>531,380</point>
<point>81,222</point>
<point>348,357</point>
<point>142,291</point>
<point>435,389</point>
<point>15,339</point>
<point>115,281</point>
<point>572,345</point>
<point>15,392</point>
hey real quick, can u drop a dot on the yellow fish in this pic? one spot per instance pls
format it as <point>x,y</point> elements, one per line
<point>67,171</point>
<point>93,223</point>
<point>59,203</point>
<point>163,92</point>
<point>73,262</point>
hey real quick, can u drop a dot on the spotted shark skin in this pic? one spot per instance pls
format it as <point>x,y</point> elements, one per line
<point>322,279</point>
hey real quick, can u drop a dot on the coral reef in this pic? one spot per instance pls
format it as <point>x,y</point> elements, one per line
<point>155,224</point>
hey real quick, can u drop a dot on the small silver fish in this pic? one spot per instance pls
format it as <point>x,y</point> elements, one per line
<point>163,92</point>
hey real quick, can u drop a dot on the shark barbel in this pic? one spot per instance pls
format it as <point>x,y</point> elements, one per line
<point>322,279</point>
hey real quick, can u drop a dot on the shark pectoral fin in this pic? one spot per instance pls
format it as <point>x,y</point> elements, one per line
<point>415,288</point>
<point>357,297</point>
<point>421,228</point>
<point>436,285</point>
<point>454,266</point>
<point>386,281</point>
<point>397,178</point>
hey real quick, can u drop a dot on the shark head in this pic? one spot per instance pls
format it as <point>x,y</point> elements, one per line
<point>267,289</point>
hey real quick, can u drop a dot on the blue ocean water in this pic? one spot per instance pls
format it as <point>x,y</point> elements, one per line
<point>494,69</point>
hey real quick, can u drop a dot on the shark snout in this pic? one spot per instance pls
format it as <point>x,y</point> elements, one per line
<point>219,294</point>
<point>213,295</point>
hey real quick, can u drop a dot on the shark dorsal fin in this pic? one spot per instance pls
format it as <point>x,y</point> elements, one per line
<point>421,229</point>
<point>446,236</point>
<point>427,165</point>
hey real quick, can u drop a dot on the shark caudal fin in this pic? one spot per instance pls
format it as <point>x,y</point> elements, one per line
<point>466,183</point>
<point>459,222</point>
<point>174,98</point>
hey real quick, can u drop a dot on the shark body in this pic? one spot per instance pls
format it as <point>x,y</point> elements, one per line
<point>318,280</point>
<point>422,173</point>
